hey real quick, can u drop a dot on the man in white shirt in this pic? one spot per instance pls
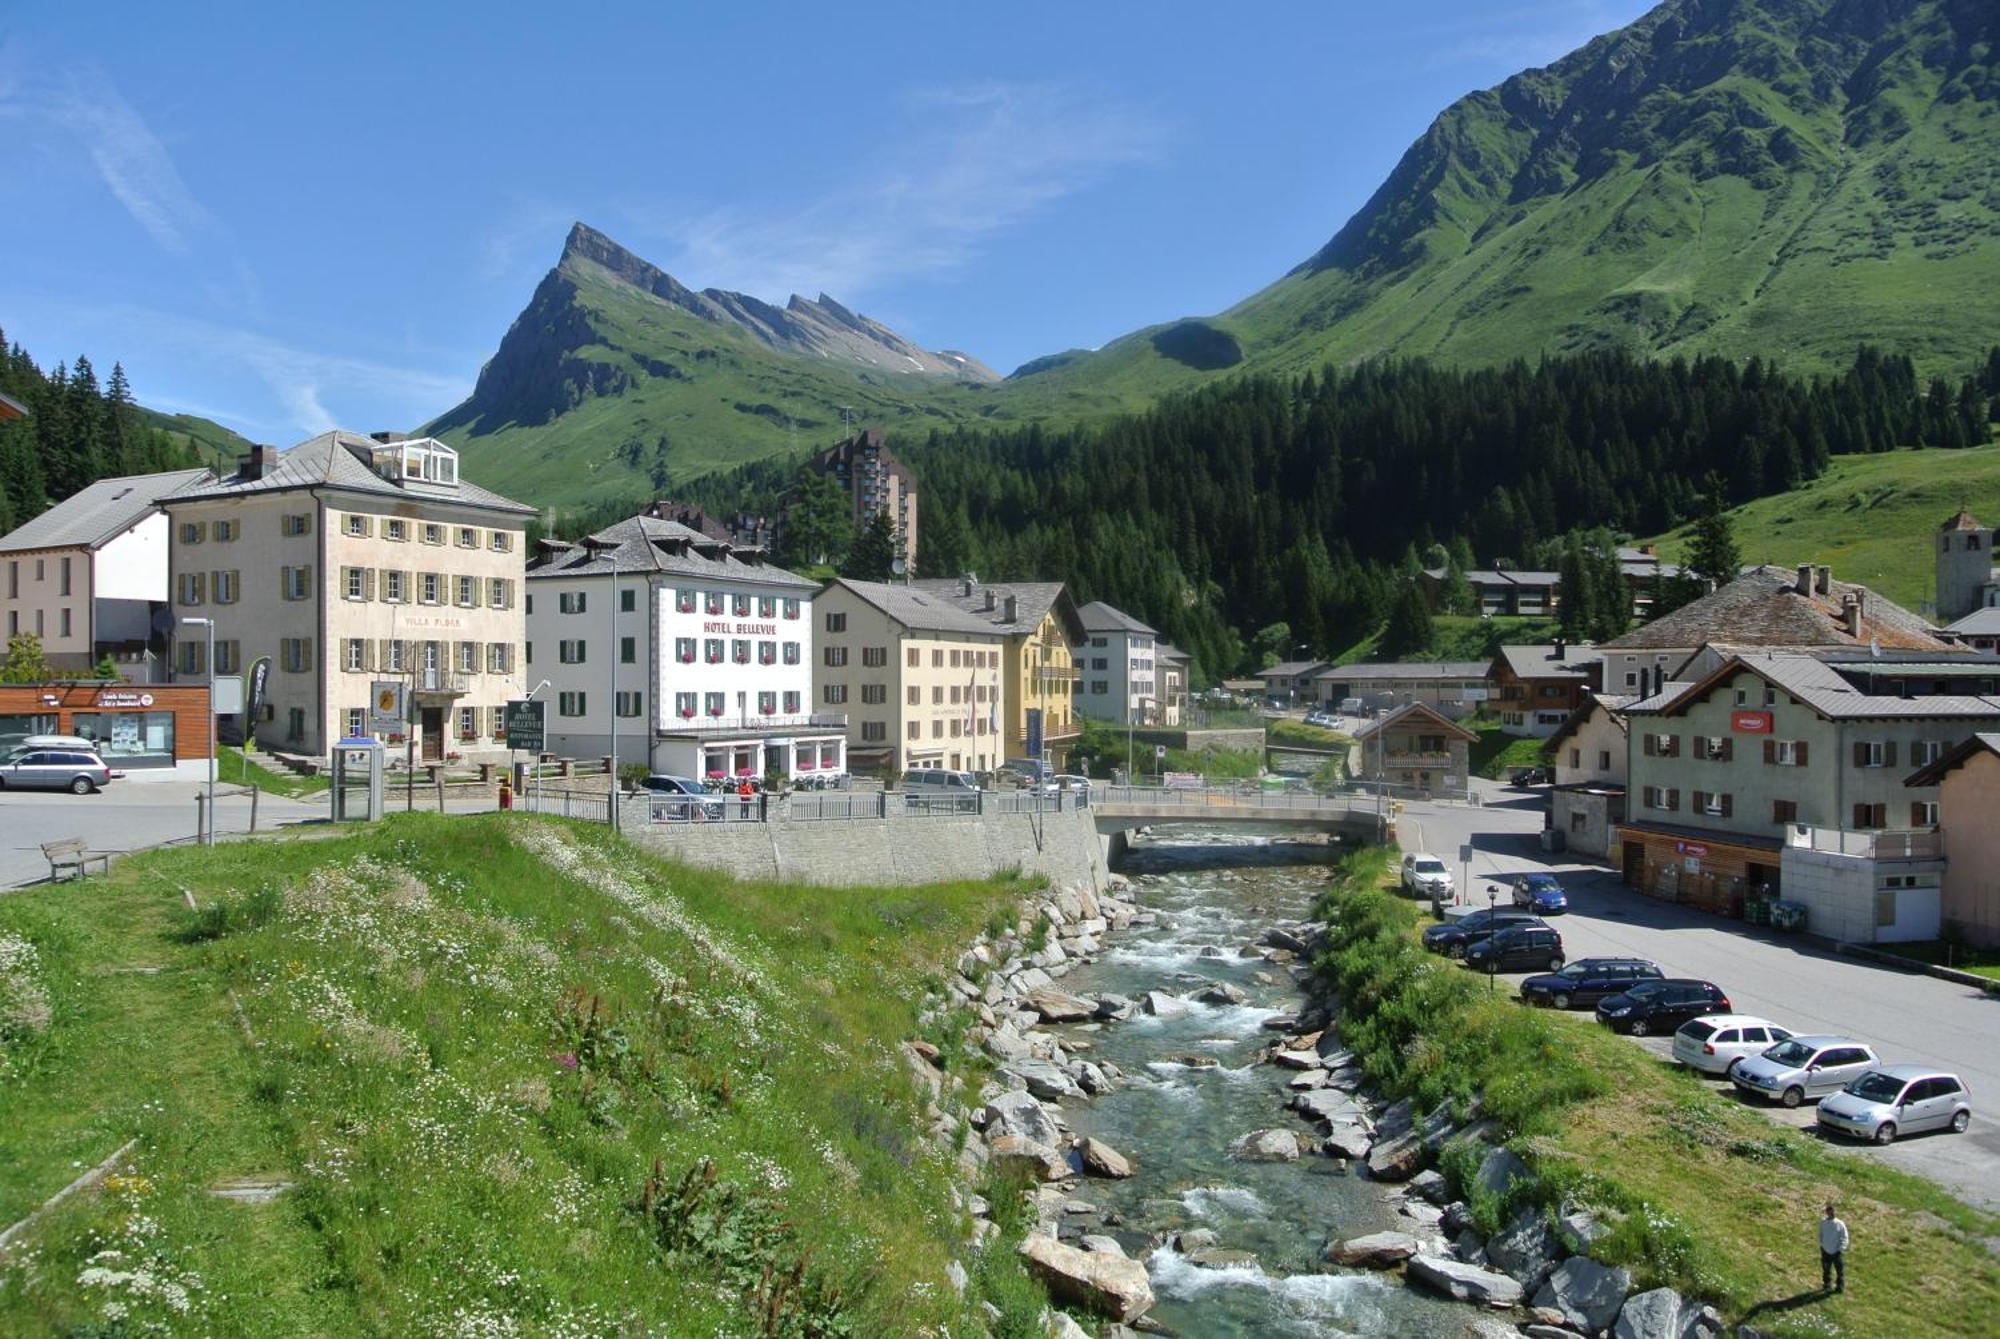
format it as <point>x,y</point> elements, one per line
<point>1832,1253</point>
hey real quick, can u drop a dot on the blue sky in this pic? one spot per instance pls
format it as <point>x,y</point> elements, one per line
<point>287,217</point>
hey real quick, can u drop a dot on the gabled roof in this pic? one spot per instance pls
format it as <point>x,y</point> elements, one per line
<point>1981,622</point>
<point>11,408</point>
<point>335,460</point>
<point>1163,651</point>
<point>1610,704</point>
<point>1033,601</point>
<point>916,609</point>
<point>100,512</point>
<point>1933,773</point>
<point>1407,669</point>
<point>1415,711</point>
<point>1963,520</point>
<point>1821,687</point>
<point>1291,669</point>
<point>648,545</point>
<point>1543,662</point>
<point>1101,617</point>
<point>1763,608</point>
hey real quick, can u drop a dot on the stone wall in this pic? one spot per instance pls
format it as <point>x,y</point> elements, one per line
<point>1062,846</point>
<point>1194,741</point>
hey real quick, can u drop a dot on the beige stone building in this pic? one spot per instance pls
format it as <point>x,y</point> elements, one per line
<point>922,682</point>
<point>1968,786</point>
<point>351,561</point>
<point>875,481</point>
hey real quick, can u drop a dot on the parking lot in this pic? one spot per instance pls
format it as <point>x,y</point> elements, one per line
<point>1907,1017</point>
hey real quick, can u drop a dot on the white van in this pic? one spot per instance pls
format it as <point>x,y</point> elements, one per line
<point>932,779</point>
<point>937,789</point>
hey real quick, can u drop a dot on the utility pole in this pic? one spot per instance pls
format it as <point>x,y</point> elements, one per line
<point>208,623</point>
<point>617,648</point>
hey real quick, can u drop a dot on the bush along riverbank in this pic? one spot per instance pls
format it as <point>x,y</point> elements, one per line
<point>1585,1186</point>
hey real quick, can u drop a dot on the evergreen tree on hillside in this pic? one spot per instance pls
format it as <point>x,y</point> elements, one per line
<point>1712,554</point>
<point>819,524</point>
<point>873,554</point>
<point>1408,632</point>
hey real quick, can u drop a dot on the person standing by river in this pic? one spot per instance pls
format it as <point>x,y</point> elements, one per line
<point>1832,1253</point>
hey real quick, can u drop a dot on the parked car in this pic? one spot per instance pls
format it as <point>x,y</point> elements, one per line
<point>1540,893</point>
<point>1647,1007</point>
<point>1027,771</point>
<point>1424,875</point>
<point>1451,937</point>
<point>1897,1099</point>
<point>55,769</point>
<point>1517,948</point>
<point>681,799</point>
<point>1714,1043</point>
<point>937,788</point>
<point>1799,1069</point>
<point>662,784</point>
<point>1587,980</point>
<point>1531,776</point>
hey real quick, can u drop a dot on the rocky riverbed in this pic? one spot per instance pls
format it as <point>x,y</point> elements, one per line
<point>1206,1158</point>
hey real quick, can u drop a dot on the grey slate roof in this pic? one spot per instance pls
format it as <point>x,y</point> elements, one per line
<point>916,609</point>
<point>100,512</point>
<point>1032,602</point>
<point>1822,687</point>
<point>330,460</point>
<point>1291,669</point>
<point>1100,617</point>
<point>1763,608</point>
<point>1983,622</point>
<point>648,545</point>
<point>1931,774</point>
<point>1612,704</point>
<point>1163,651</point>
<point>1407,669</point>
<point>1414,709</point>
<point>1540,662</point>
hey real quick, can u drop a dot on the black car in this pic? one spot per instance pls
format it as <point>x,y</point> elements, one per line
<point>1661,1006</point>
<point>1587,980</point>
<point>1517,948</point>
<point>1451,937</point>
<point>1531,776</point>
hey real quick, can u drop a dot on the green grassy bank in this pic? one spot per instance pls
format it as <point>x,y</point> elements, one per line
<point>1707,1196</point>
<point>519,1078</point>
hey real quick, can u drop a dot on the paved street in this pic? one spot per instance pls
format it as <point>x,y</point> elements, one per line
<point>1906,1016</point>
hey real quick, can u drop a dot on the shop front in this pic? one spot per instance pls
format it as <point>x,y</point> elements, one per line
<point>1715,872</point>
<point>751,755</point>
<point>134,726</point>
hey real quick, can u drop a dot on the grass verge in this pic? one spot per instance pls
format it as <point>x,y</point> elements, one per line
<point>1980,962</point>
<point>1496,753</point>
<point>1707,1196</point>
<point>232,769</point>
<point>518,1075</point>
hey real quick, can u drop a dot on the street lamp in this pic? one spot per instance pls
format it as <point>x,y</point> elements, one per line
<point>616,649</point>
<point>209,623</point>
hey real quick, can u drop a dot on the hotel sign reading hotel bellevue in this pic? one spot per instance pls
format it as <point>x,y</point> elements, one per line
<point>727,628</point>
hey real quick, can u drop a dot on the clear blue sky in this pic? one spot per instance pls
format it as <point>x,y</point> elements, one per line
<point>301,215</point>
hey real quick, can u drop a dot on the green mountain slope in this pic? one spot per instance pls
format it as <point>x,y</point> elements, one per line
<point>1784,178</point>
<point>216,446</point>
<point>1872,518</point>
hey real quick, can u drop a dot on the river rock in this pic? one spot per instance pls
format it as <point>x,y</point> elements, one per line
<point>1018,1113</point>
<point>1462,1282</point>
<point>1295,1059</point>
<point>1114,1007</point>
<point>1422,1213</point>
<point>1097,1243</point>
<point>1222,1257</point>
<point>1665,1314</point>
<point>1431,1186</point>
<point>1500,1171</point>
<point>1091,1078</point>
<point>1039,1159</point>
<point>1306,1082</point>
<point>1279,937</point>
<point>1195,1239</point>
<point>1470,1247</point>
<point>1579,1229</point>
<point>1110,1284</point>
<point>1004,1044</point>
<point>1162,1005</point>
<point>1587,1294</point>
<point>1042,1078</point>
<point>1100,1159</point>
<point>1057,1006</point>
<point>1060,1326</point>
<point>1540,1329</point>
<point>1347,1141</point>
<point>1279,1023</point>
<point>1266,1146</point>
<point>1327,1105</point>
<point>1377,1250</point>
<point>1193,1061</point>
<point>1526,1249</point>
<point>1396,1158</point>
<point>1220,993</point>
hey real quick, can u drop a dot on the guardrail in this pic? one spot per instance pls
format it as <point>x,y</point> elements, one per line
<point>1212,798</point>
<point>661,809</point>
<point>658,810</point>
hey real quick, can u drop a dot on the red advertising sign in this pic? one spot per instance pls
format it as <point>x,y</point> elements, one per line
<point>1690,848</point>
<point>1750,722</point>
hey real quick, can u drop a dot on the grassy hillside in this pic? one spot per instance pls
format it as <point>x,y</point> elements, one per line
<point>1872,518</point>
<point>218,447</point>
<point>517,1077</point>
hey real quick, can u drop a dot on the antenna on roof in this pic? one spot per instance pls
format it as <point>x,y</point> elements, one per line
<point>1875,647</point>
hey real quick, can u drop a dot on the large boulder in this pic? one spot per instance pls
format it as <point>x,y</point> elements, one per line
<point>1377,1250</point>
<point>1588,1294</point>
<point>1397,1158</point>
<point>1018,1113</point>
<point>1162,1005</point>
<point>1004,1044</point>
<point>1431,1186</point>
<point>1114,1006</point>
<point>1499,1171</point>
<point>1221,992</point>
<point>1295,1059</point>
<point>1665,1314</point>
<point>1267,1146</point>
<point>1041,1078</point>
<point>1462,1282</point>
<point>1279,937</point>
<point>1579,1229</point>
<point>1328,1106</point>
<point>1040,1160</point>
<point>1056,1006</point>
<point>1347,1141</point>
<point>1526,1249</point>
<point>1109,1284</point>
<point>1100,1159</point>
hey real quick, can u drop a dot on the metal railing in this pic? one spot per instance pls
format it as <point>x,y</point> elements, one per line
<point>691,809</point>
<point>1212,798</point>
<point>649,810</point>
<point>595,806</point>
<point>1889,844</point>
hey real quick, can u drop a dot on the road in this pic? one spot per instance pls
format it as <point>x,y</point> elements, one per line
<point>1907,1016</point>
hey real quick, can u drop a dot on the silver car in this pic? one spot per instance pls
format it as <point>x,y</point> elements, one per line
<point>1800,1068</point>
<point>54,769</point>
<point>1716,1043</point>
<point>1898,1099</point>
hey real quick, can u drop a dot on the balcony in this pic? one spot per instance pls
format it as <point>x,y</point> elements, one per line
<point>757,722</point>
<point>441,683</point>
<point>1883,844</point>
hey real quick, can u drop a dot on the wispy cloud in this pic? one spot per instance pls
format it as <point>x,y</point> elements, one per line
<point>129,158</point>
<point>523,237</point>
<point>971,162</point>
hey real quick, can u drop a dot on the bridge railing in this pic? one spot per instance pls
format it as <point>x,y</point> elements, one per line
<point>1221,798</point>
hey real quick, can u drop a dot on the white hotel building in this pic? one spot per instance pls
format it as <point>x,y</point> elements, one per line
<point>701,648</point>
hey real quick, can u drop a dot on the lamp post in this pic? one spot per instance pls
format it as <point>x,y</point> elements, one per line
<point>209,623</point>
<point>536,806</point>
<point>616,650</point>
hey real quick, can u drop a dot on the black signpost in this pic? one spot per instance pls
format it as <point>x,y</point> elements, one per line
<point>525,721</point>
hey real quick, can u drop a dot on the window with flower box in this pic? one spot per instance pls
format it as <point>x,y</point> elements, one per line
<point>791,653</point>
<point>684,650</point>
<point>468,724</point>
<point>767,606</point>
<point>791,609</point>
<point>767,703</point>
<point>684,601</point>
<point>684,705</point>
<point>712,703</point>
<point>739,650</point>
<point>767,653</point>
<point>739,605</point>
<point>791,703</point>
<point>713,603</point>
<point>711,649</point>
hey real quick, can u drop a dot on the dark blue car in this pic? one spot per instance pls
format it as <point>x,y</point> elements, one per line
<point>1540,893</point>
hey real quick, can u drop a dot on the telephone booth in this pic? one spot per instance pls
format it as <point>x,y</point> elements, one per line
<point>357,780</point>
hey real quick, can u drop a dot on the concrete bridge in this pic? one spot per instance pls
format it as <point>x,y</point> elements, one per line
<point>1118,810</point>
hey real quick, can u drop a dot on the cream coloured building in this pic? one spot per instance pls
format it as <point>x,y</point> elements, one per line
<point>350,561</point>
<point>922,682</point>
<point>1041,625</point>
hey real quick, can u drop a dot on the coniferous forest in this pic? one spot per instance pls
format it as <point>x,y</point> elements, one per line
<point>77,432</point>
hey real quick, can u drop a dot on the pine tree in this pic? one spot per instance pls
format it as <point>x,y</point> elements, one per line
<point>1712,552</point>
<point>873,554</point>
<point>24,660</point>
<point>1408,631</point>
<point>819,524</point>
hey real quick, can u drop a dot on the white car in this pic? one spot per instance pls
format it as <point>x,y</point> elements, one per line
<point>1714,1043</point>
<point>1424,875</point>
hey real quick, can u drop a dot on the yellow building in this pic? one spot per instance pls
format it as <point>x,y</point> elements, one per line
<point>921,680</point>
<point>1041,624</point>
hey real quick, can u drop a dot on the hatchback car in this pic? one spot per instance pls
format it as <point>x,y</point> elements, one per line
<point>1451,937</point>
<point>1714,1043</point>
<point>1424,875</point>
<point>1588,980</point>
<point>1804,1068</point>
<point>1897,1099</point>
<point>1646,1007</point>
<point>1541,894</point>
<point>1517,948</point>
<point>55,769</point>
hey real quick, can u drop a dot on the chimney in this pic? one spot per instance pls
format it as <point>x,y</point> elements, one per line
<point>966,581</point>
<point>258,462</point>
<point>1850,615</point>
<point>1559,648</point>
<point>991,599</point>
<point>1013,608</point>
<point>1805,584</point>
<point>1823,580</point>
<point>1646,549</point>
<point>390,438</point>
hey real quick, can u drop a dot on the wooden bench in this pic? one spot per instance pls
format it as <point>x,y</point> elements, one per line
<point>72,853</point>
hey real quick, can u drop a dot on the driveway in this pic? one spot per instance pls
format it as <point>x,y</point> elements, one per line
<point>1908,1017</point>
<point>125,818</point>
